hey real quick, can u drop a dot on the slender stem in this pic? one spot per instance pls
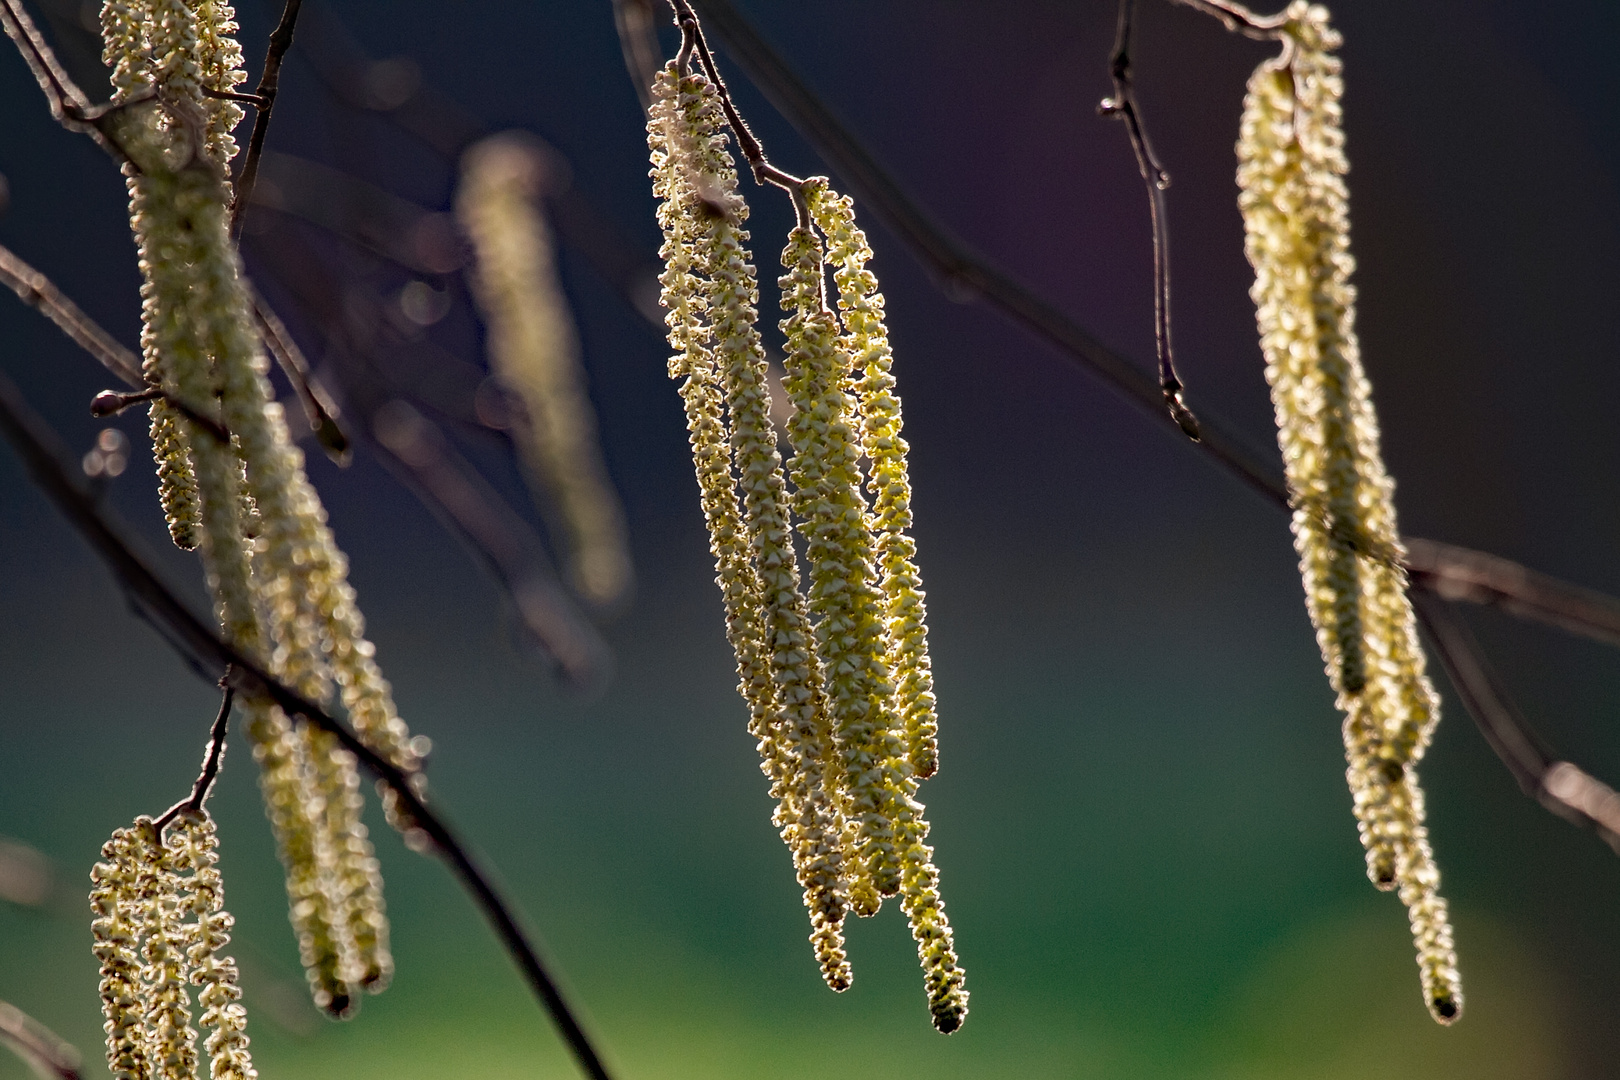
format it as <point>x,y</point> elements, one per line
<point>1123,106</point>
<point>36,290</point>
<point>38,446</point>
<point>69,105</point>
<point>753,152</point>
<point>281,39</point>
<point>318,408</point>
<point>212,758</point>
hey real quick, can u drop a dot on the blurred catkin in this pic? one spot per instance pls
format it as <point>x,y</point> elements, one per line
<point>1296,217</point>
<point>534,352</point>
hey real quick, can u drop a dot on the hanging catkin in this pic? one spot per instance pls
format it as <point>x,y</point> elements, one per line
<point>1296,217</point>
<point>279,582</point>
<point>841,747</point>
<point>157,897</point>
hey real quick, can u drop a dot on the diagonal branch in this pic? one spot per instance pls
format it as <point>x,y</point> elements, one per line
<point>1560,786</point>
<point>38,447</point>
<point>213,758</point>
<point>37,291</point>
<point>43,1049</point>
<point>281,39</point>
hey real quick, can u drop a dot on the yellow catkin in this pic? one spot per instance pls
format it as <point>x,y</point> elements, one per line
<point>122,886</point>
<point>144,898</point>
<point>195,842</point>
<point>534,352</point>
<point>710,291</point>
<point>850,633</point>
<point>1296,217</point>
<point>866,340</point>
<point>278,579</point>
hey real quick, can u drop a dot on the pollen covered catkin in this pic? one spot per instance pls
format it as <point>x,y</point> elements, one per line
<point>158,898</point>
<point>1291,167</point>
<point>279,582</point>
<point>709,292</point>
<point>839,744</point>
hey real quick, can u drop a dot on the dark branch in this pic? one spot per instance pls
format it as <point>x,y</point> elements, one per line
<point>318,407</point>
<point>38,446</point>
<point>281,39</point>
<point>69,105</point>
<point>36,290</point>
<point>38,1045</point>
<point>692,41</point>
<point>1122,106</point>
<point>213,757</point>
<point>1560,786</point>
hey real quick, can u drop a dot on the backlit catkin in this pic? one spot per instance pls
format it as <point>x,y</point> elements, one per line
<point>1296,217</point>
<point>842,748</point>
<point>534,352</point>
<point>157,897</point>
<point>278,579</point>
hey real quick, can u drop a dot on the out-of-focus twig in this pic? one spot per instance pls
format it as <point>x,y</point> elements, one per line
<point>1560,786</point>
<point>637,22</point>
<point>26,876</point>
<point>319,408</point>
<point>47,1053</point>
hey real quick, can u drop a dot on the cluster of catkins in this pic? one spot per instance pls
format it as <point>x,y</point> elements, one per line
<point>534,352</point>
<point>159,926</point>
<point>1295,211</point>
<point>278,579</point>
<point>836,677</point>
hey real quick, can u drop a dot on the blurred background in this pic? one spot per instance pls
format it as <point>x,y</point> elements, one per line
<point>1141,820</point>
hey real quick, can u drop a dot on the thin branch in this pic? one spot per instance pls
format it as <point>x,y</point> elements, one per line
<point>212,759</point>
<point>320,410</point>
<point>281,39</point>
<point>36,290</point>
<point>38,446</point>
<point>1560,786</point>
<point>1123,106</point>
<point>1459,573</point>
<point>69,105</point>
<point>47,1053</point>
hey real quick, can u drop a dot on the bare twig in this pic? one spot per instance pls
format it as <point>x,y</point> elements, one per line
<point>320,410</point>
<point>213,757</point>
<point>693,42</point>
<point>69,105</point>
<point>1560,786</point>
<point>36,290</point>
<point>264,101</point>
<point>38,446</point>
<point>1123,106</point>
<point>47,1053</point>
